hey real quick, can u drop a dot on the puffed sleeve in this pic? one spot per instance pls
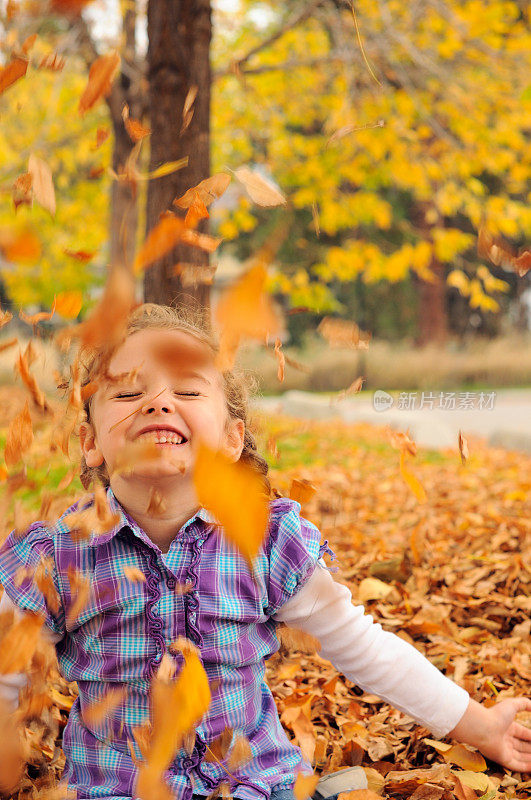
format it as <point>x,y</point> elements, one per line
<point>293,549</point>
<point>20,556</point>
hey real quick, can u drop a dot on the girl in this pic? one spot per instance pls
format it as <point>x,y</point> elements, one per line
<point>161,386</point>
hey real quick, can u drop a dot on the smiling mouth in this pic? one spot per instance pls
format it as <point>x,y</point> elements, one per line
<point>164,437</point>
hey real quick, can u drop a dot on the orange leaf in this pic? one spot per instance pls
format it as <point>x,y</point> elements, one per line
<point>502,254</point>
<point>16,69</point>
<point>23,246</point>
<point>160,240</point>
<point>102,134</point>
<point>134,574</point>
<point>463,447</point>
<point>245,310</point>
<point>97,518</point>
<point>401,441</point>
<point>80,255</point>
<point>40,316</point>
<point>7,344</point>
<point>69,6</point>
<point>20,643</point>
<point>22,190</point>
<point>134,128</point>
<point>207,191</point>
<point>281,360</point>
<point>22,365</point>
<point>68,304</point>
<point>101,75</point>
<point>79,592</point>
<point>343,333</point>
<point>234,493</point>
<point>196,212</point>
<point>19,437</point>
<point>302,490</point>
<point>305,786</point>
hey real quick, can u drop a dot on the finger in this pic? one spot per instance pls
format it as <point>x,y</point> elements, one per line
<point>522,704</point>
<point>522,747</point>
<point>521,732</point>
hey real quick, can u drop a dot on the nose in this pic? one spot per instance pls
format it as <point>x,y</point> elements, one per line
<point>162,403</point>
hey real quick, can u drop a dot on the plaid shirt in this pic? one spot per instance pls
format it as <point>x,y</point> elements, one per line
<point>119,637</point>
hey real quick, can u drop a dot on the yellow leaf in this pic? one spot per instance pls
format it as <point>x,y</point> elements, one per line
<point>470,760</point>
<point>373,589</point>
<point>234,493</point>
<point>413,482</point>
<point>475,780</point>
<point>167,168</point>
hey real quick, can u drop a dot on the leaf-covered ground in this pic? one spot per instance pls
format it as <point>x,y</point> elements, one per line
<point>452,575</point>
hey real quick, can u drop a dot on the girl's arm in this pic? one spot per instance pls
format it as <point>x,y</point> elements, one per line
<point>390,667</point>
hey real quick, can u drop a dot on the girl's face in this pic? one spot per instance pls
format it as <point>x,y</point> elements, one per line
<point>165,389</point>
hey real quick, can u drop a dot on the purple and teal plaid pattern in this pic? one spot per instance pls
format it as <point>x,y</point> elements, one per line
<point>119,638</point>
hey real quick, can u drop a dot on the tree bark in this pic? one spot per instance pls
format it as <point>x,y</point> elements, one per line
<point>433,319</point>
<point>179,34</point>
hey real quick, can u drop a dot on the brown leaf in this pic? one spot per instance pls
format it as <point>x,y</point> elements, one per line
<point>19,437</point>
<point>354,388</point>
<point>11,73</point>
<point>53,62</point>
<point>134,127</point>
<point>401,441</point>
<point>302,490</point>
<point>218,749</point>
<point>101,75</point>
<point>463,447</point>
<point>19,643</point>
<point>22,366</point>
<point>43,190</point>
<point>502,254</point>
<point>188,111</point>
<point>21,190</point>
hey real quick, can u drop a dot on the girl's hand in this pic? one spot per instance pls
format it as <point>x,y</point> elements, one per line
<point>495,732</point>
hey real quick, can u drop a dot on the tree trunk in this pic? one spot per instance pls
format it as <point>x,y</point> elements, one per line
<point>179,33</point>
<point>433,325</point>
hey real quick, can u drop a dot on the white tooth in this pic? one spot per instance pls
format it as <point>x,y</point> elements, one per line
<point>162,439</point>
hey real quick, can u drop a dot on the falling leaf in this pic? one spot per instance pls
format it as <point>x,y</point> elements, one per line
<point>347,129</point>
<point>69,6</point>
<point>24,246</point>
<point>302,490</point>
<point>245,310</point>
<point>240,753</point>
<point>11,73</point>
<point>5,317</point>
<point>218,749</point>
<point>293,639</point>
<point>177,706</point>
<point>97,712</point>
<point>167,168</point>
<point>53,62</point>
<point>34,319</point>
<point>20,643</point>
<point>134,128</point>
<point>68,304</point>
<point>96,519</point>
<point>135,453</point>
<point>195,274</point>
<point>22,366</point>
<point>281,360</point>
<point>43,190</point>
<point>363,794</point>
<point>188,111</point>
<point>207,191</point>
<point>502,254</point>
<point>183,588</point>
<point>315,217</point>
<point>101,75</point>
<point>134,574</point>
<point>7,344</point>
<point>343,333</point>
<point>160,240</point>
<point>401,441</point>
<point>196,212</point>
<point>79,592</point>
<point>234,493</point>
<point>21,190</point>
<point>413,482</point>
<point>106,325</point>
<point>80,255</point>
<point>372,589</point>
<point>463,447</point>
<point>157,505</point>
<point>261,191</point>
<point>305,786</point>
<point>354,388</point>
<point>44,581</point>
<point>19,437</point>
<point>201,240</point>
<point>102,134</point>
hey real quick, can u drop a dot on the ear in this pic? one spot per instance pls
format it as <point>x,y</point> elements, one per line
<point>89,446</point>
<point>234,438</point>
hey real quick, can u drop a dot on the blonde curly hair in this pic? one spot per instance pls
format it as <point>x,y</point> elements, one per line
<point>236,385</point>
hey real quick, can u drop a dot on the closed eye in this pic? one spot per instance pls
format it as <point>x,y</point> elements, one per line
<point>127,395</point>
<point>188,394</point>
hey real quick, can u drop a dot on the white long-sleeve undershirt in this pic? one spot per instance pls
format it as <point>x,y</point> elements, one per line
<point>358,647</point>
